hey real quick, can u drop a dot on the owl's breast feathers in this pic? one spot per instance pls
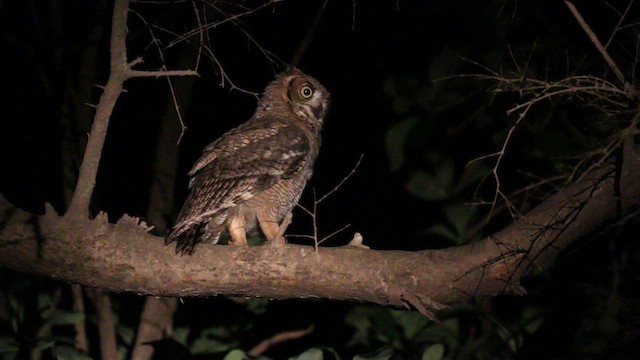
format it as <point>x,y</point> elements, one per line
<point>244,162</point>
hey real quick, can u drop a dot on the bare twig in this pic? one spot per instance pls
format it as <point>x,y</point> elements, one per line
<point>498,193</point>
<point>106,325</point>
<point>81,342</point>
<point>619,24</point>
<point>311,31</point>
<point>603,51</point>
<point>276,339</point>
<point>334,234</point>
<point>344,179</point>
<point>313,213</point>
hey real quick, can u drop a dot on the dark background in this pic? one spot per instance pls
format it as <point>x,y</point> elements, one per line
<point>383,62</point>
<point>355,49</point>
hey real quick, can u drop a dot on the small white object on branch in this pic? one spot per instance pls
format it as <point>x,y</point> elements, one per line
<point>357,241</point>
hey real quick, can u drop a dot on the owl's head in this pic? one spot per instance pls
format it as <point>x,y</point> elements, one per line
<point>299,93</point>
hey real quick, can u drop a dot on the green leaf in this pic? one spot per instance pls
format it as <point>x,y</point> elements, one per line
<point>385,354</point>
<point>411,322</point>
<point>443,231</point>
<point>453,325</point>
<point>44,344</point>
<point>180,335</point>
<point>8,345</point>
<point>66,352</point>
<point>257,305</point>
<point>532,319</point>
<point>311,354</point>
<point>63,317</point>
<point>433,352</point>
<point>207,345</point>
<point>358,318</point>
<point>395,141</point>
<point>45,304</point>
<point>216,331</point>
<point>236,355</point>
<point>127,333</point>
<point>429,187</point>
<point>331,351</point>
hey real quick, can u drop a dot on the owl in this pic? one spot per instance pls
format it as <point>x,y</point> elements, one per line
<point>254,174</point>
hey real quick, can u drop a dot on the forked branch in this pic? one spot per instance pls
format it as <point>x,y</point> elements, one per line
<point>121,70</point>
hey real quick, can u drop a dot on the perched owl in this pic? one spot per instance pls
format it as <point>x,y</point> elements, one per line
<point>254,174</point>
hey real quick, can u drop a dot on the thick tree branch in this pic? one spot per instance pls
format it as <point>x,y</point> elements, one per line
<point>123,257</point>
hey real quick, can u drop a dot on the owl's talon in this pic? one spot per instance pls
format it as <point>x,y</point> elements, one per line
<point>278,241</point>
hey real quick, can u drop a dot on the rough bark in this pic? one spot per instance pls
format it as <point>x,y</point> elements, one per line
<point>124,257</point>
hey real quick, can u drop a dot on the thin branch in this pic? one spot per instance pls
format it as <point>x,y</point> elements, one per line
<point>603,51</point>
<point>334,233</point>
<point>353,170</point>
<point>311,31</point>
<point>314,212</point>
<point>230,18</point>
<point>159,73</point>
<point>619,24</point>
<point>276,339</point>
<point>81,342</point>
<point>106,325</point>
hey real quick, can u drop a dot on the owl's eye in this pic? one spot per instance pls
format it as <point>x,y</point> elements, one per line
<point>306,92</point>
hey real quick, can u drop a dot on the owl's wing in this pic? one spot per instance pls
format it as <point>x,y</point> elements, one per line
<point>242,163</point>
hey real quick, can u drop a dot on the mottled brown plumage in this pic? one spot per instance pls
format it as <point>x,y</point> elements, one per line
<point>255,173</point>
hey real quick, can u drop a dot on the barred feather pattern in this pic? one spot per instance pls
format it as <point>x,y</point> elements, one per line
<point>256,172</point>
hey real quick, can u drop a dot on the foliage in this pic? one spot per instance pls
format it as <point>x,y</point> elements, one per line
<point>372,332</point>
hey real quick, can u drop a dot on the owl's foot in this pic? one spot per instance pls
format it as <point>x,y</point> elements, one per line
<point>279,239</point>
<point>237,231</point>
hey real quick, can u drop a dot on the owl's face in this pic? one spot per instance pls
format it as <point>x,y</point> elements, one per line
<point>308,98</point>
<point>300,94</point>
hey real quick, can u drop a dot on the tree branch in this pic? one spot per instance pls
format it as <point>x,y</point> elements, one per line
<point>79,207</point>
<point>106,325</point>
<point>155,323</point>
<point>629,88</point>
<point>123,257</point>
<point>81,342</point>
<point>120,71</point>
<point>276,339</point>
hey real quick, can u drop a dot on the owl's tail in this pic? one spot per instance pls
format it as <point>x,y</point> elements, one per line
<point>185,238</point>
<point>189,233</point>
